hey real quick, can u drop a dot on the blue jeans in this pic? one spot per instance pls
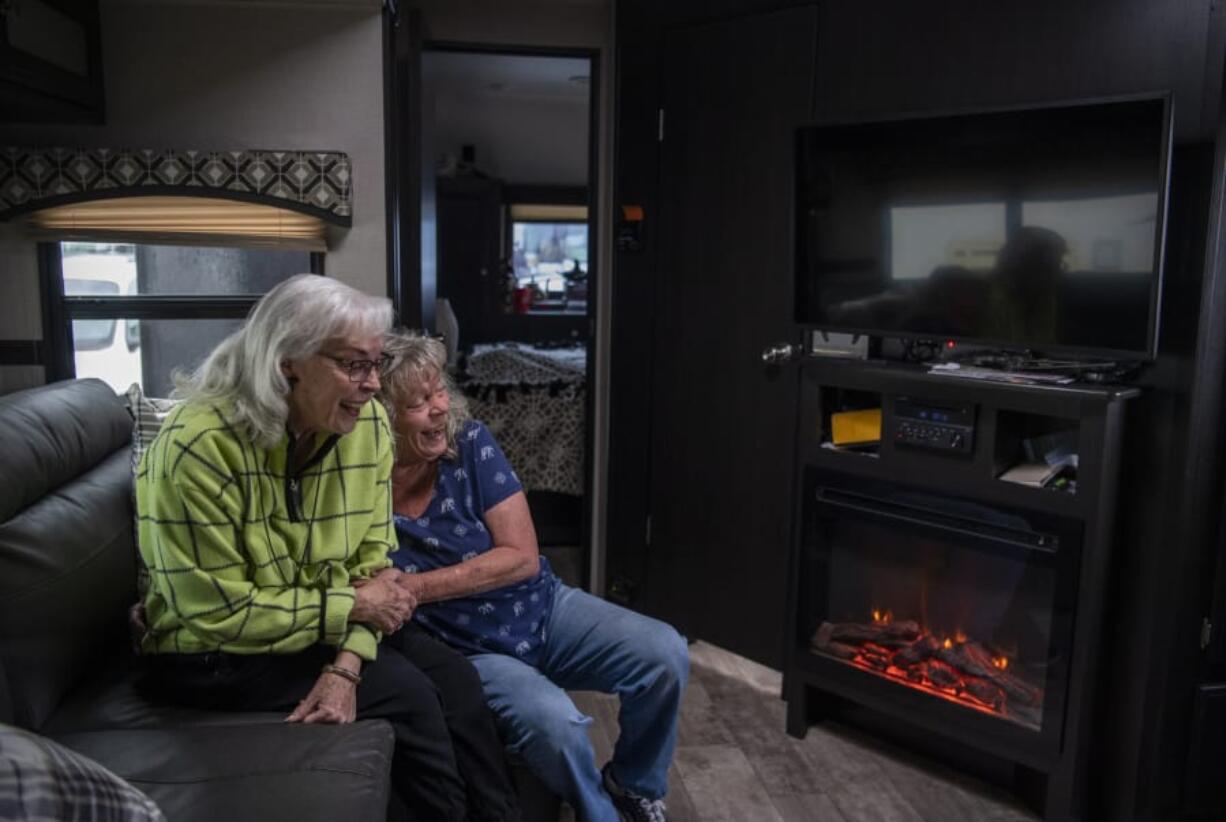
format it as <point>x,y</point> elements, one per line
<point>592,645</point>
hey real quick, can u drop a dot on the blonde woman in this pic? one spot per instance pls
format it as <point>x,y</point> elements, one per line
<point>469,554</point>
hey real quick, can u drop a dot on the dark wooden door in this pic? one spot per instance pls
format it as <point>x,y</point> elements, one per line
<point>469,249</point>
<point>723,425</point>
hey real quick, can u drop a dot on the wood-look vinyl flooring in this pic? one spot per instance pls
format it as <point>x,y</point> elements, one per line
<point>735,762</point>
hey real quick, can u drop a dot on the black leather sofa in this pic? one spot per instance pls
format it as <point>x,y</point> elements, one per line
<point>67,578</point>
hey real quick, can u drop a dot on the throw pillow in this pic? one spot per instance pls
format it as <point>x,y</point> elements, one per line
<point>41,780</point>
<point>148,414</point>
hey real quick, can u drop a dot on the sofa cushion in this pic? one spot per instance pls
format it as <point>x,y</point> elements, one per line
<point>252,773</point>
<point>66,581</point>
<point>66,544</point>
<point>40,779</point>
<point>53,434</point>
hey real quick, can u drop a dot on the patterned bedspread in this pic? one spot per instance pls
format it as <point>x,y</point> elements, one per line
<point>532,399</point>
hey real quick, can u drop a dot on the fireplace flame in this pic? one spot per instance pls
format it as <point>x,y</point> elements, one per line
<point>954,667</point>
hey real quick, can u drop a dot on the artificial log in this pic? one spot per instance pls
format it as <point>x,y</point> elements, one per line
<point>973,659</point>
<point>916,652</point>
<point>888,635</point>
<point>873,643</point>
<point>838,649</point>
<point>823,636</point>
<point>942,675</point>
<point>823,641</point>
<point>965,667</point>
<point>983,691</point>
<point>875,656</point>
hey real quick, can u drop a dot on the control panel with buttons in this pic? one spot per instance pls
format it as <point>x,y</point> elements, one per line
<point>941,427</point>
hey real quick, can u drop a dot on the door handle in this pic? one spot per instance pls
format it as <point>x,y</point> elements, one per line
<point>779,353</point>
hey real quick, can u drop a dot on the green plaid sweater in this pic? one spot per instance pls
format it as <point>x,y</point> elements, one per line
<point>245,559</point>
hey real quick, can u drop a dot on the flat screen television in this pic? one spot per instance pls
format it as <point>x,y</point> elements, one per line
<point>1036,229</point>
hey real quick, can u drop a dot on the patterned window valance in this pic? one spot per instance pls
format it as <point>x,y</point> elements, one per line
<point>318,183</point>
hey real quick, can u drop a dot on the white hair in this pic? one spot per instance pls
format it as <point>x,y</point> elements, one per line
<point>290,322</point>
<point>420,359</point>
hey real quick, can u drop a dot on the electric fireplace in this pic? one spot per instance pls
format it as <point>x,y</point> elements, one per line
<point>933,600</point>
<point>956,609</point>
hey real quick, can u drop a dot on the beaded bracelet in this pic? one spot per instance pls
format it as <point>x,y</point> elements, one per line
<point>344,673</point>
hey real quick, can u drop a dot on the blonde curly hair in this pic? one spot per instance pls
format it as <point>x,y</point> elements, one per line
<point>418,359</point>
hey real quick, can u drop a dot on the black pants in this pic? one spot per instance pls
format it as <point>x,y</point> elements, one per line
<point>474,734</point>
<point>448,761</point>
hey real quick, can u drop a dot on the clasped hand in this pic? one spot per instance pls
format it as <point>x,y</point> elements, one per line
<point>382,602</point>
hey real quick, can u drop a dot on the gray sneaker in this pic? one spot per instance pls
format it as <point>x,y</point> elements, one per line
<point>630,806</point>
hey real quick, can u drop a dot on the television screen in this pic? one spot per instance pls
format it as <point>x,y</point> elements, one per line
<point>1036,229</point>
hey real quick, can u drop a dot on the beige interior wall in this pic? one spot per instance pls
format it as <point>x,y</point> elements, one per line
<point>217,77</point>
<point>517,139</point>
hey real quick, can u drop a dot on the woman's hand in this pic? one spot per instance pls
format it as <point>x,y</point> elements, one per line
<point>333,701</point>
<point>138,626</point>
<point>383,603</point>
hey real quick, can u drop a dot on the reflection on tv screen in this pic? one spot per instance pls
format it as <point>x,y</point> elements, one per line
<point>1036,229</point>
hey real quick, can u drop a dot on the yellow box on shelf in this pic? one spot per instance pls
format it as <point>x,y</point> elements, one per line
<point>855,427</point>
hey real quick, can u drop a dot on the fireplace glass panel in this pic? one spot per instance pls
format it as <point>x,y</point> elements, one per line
<point>956,599</point>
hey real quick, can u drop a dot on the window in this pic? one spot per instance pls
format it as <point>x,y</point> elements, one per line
<point>924,238</point>
<point>128,312</point>
<point>549,253</point>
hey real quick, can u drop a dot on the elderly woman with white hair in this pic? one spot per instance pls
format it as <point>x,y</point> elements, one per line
<point>265,519</point>
<point>469,554</point>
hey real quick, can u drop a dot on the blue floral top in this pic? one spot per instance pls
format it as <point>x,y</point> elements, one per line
<point>509,620</point>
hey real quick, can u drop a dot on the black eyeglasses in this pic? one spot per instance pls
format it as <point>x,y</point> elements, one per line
<point>359,370</point>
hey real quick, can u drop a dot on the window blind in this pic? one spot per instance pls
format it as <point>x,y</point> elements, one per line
<point>180,220</point>
<point>542,212</point>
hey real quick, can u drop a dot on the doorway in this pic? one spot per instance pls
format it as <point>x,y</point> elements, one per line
<point>508,136</point>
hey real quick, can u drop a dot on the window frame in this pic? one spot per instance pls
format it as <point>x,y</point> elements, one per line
<point>59,310</point>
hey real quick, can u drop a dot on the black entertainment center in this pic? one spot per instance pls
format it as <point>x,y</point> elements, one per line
<point>965,609</point>
<point>951,572</point>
